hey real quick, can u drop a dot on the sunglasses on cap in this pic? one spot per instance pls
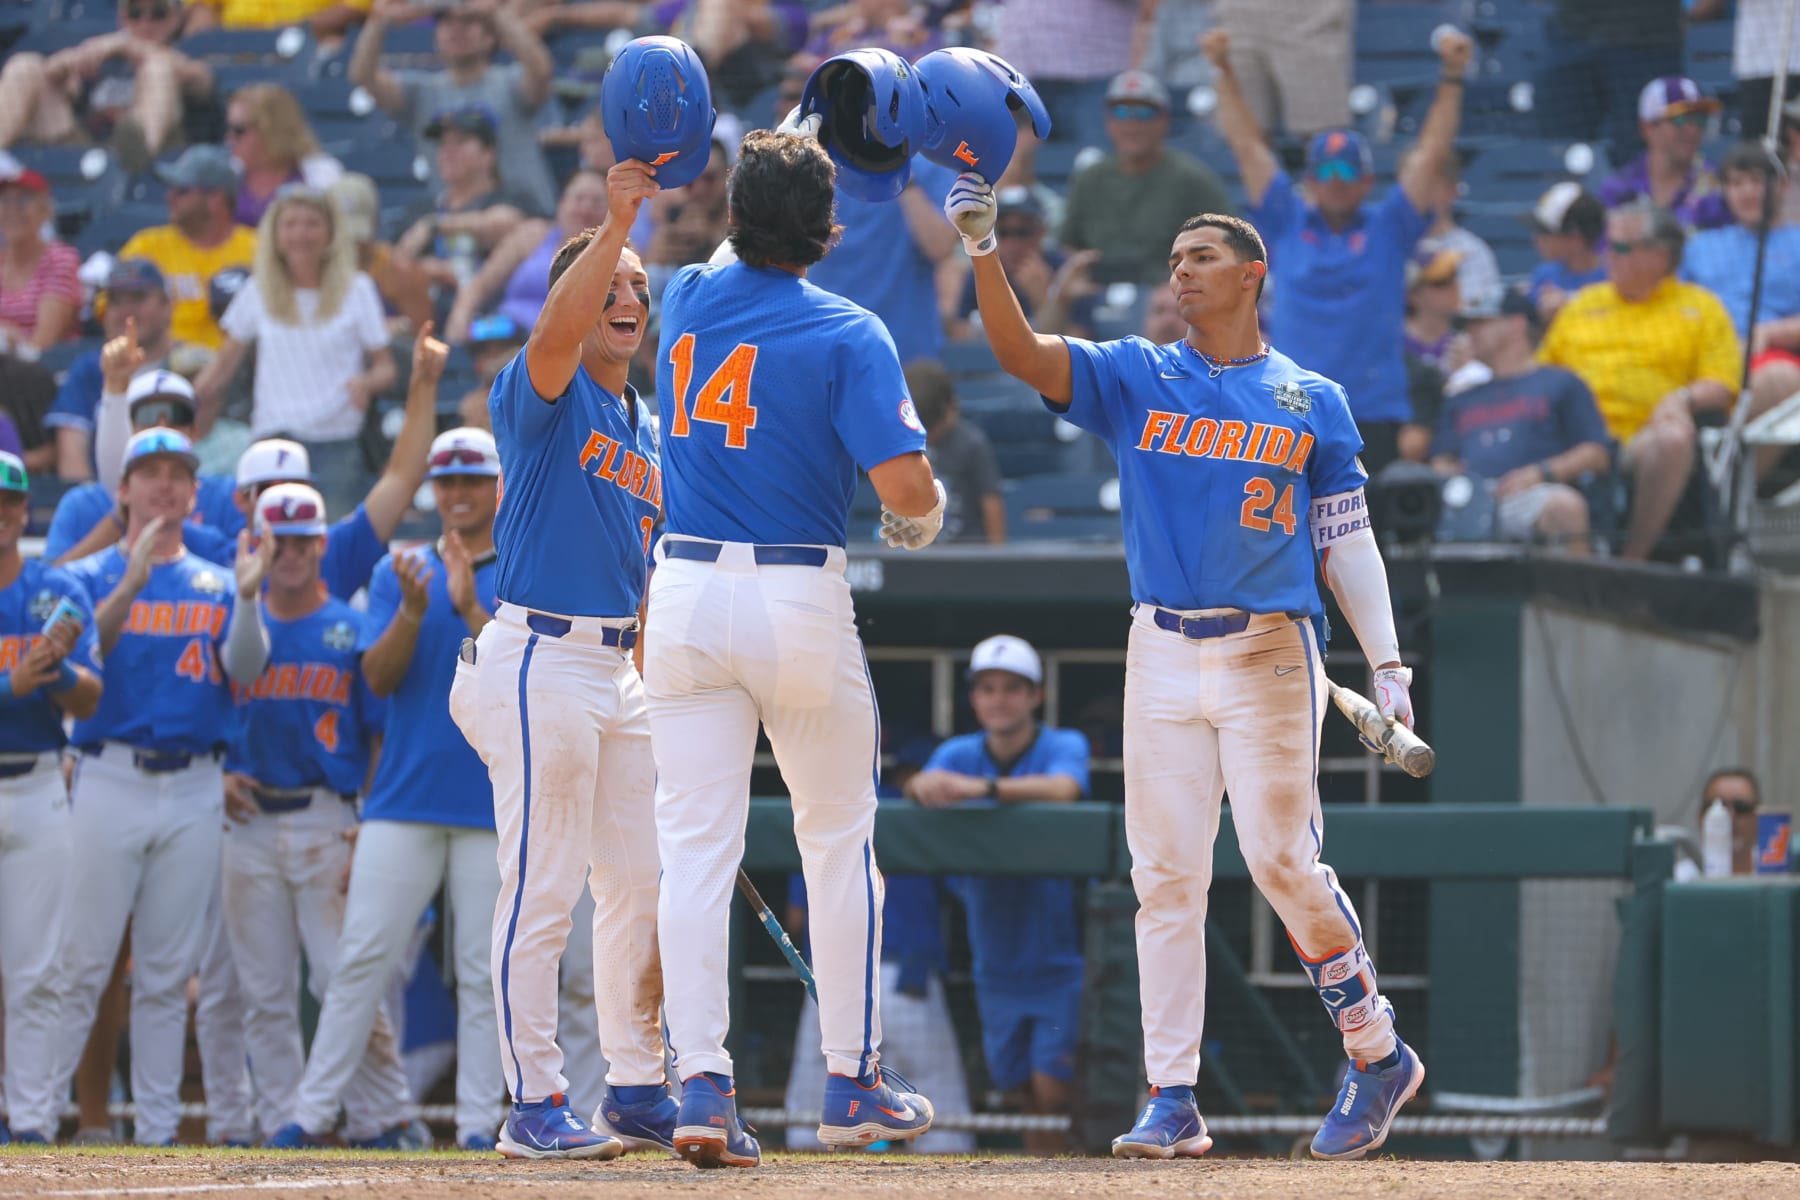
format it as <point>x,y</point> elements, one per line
<point>459,456</point>
<point>1129,111</point>
<point>162,411</point>
<point>293,510</point>
<point>12,478</point>
<point>1688,120</point>
<point>1336,169</point>
<point>161,441</point>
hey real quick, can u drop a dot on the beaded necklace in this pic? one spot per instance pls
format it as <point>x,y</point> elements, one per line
<point>1216,367</point>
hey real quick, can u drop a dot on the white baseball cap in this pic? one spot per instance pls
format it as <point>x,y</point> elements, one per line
<point>463,451</point>
<point>274,460</point>
<point>1004,652</point>
<point>290,510</point>
<point>158,383</point>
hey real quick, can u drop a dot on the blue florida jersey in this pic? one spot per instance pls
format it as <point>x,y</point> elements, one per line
<point>427,771</point>
<point>1022,932</point>
<point>165,689</point>
<point>773,392</point>
<point>580,488</point>
<point>306,721</point>
<point>352,548</point>
<point>1216,476</point>
<point>32,723</point>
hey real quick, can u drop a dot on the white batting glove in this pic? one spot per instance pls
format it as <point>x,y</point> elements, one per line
<point>914,533</point>
<point>1393,694</point>
<point>970,207</point>
<point>806,127</point>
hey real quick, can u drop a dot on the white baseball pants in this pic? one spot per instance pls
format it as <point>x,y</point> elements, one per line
<point>35,860</point>
<point>559,720</point>
<point>915,1031</point>
<point>219,1033</point>
<point>149,847</point>
<point>1239,713</point>
<point>397,868</point>
<point>281,898</point>
<point>730,644</point>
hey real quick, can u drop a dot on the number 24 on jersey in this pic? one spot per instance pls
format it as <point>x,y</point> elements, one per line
<point>724,399</point>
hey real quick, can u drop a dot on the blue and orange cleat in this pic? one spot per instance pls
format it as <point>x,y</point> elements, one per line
<point>1170,1127</point>
<point>548,1129</point>
<point>643,1118</point>
<point>1366,1105</point>
<point>882,1108</point>
<point>708,1132</point>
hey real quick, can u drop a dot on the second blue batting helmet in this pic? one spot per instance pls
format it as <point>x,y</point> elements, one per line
<point>872,115</point>
<point>975,103</point>
<point>656,106</point>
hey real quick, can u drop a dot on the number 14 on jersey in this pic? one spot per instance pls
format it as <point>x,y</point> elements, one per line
<point>724,399</point>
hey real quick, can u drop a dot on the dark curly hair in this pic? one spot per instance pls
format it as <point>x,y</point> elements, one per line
<point>782,197</point>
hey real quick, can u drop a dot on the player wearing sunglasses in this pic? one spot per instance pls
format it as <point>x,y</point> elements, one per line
<point>1339,257</point>
<point>1673,113</point>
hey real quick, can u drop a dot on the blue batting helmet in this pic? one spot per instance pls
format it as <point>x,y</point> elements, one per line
<point>656,106</point>
<point>872,115</point>
<point>975,103</point>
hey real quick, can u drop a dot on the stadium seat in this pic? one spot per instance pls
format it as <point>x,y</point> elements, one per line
<point>1503,228</point>
<point>1707,48</point>
<point>1081,508</point>
<point>46,489</point>
<point>1393,41</point>
<point>240,45</point>
<point>48,38</point>
<point>973,357</point>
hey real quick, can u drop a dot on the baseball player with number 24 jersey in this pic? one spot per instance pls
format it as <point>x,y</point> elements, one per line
<point>1238,474</point>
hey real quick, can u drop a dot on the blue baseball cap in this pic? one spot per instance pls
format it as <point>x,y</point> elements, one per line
<point>160,442</point>
<point>136,275</point>
<point>1339,154</point>
<point>496,327</point>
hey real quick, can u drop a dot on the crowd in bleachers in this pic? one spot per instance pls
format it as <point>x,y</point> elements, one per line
<point>444,149</point>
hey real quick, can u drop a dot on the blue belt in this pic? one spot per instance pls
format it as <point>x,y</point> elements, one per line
<point>557,627</point>
<point>14,770</point>
<point>287,800</point>
<point>1200,628</point>
<point>766,556</point>
<point>155,762</point>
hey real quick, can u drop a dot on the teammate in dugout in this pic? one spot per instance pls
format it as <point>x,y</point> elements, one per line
<point>1023,933</point>
<point>301,753</point>
<point>775,392</point>
<point>1238,473</point>
<point>428,820</point>
<point>46,631</point>
<point>550,698</point>
<point>148,797</point>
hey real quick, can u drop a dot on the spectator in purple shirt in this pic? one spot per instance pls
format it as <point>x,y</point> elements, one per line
<point>1529,432</point>
<point>9,437</point>
<point>1433,299</point>
<point>1672,114</point>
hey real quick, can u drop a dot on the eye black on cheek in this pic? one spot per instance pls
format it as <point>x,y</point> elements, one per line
<point>612,298</point>
<point>643,295</point>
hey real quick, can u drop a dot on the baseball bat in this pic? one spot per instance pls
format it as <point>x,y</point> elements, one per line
<point>1396,743</point>
<point>776,932</point>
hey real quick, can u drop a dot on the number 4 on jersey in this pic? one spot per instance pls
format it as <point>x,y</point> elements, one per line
<point>724,398</point>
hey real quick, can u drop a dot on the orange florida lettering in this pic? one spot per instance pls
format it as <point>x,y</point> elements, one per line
<point>165,618</point>
<point>609,459</point>
<point>14,648</point>
<point>300,681</point>
<point>1203,437</point>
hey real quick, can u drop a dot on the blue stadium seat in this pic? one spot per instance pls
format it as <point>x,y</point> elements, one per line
<point>390,165</point>
<point>229,45</point>
<point>46,489</point>
<point>50,37</point>
<point>1504,229</point>
<point>1707,49</point>
<point>973,357</point>
<point>1518,169</point>
<point>58,358</point>
<point>1062,507</point>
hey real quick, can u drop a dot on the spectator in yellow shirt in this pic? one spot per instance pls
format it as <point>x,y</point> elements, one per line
<point>326,18</point>
<point>1654,351</point>
<point>203,253</point>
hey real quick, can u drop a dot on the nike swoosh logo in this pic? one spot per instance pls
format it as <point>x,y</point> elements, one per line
<point>1286,670</point>
<point>1176,375</point>
<point>905,1114</point>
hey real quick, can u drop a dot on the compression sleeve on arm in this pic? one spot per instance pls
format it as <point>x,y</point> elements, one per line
<point>246,649</point>
<point>1355,572</point>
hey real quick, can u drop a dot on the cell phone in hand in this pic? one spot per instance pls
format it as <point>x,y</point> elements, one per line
<point>65,610</point>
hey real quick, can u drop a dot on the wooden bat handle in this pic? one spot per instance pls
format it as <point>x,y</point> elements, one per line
<point>1399,745</point>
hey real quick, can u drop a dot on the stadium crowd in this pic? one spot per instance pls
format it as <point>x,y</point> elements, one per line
<point>260,343</point>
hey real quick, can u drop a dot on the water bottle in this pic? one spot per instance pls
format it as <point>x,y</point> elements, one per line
<point>1715,841</point>
<point>463,259</point>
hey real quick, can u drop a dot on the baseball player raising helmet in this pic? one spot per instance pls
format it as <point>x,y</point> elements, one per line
<point>1238,473</point>
<point>550,699</point>
<point>774,392</point>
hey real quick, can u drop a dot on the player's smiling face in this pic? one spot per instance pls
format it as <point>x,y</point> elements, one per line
<point>296,562</point>
<point>465,503</point>
<point>158,487</point>
<point>627,313</point>
<point>1207,276</point>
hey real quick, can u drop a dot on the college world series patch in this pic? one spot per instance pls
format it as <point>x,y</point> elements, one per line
<point>1291,397</point>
